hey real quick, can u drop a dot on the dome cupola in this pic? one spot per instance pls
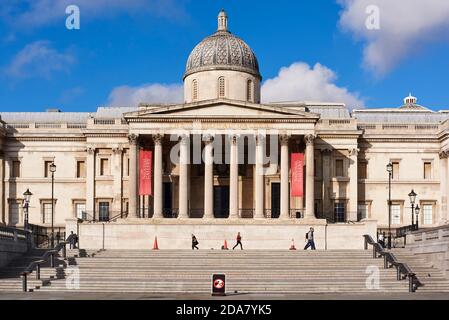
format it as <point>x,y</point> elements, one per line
<point>223,65</point>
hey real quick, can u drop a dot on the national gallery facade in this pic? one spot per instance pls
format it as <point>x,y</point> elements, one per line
<point>223,158</point>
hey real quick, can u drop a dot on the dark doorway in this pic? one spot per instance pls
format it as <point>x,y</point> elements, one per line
<point>221,201</point>
<point>167,200</point>
<point>275,200</point>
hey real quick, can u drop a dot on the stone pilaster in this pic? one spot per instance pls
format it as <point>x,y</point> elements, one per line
<point>259,177</point>
<point>132,186</point>
<point>443,185</point>
<point>285,199</point>
<point>90,181</point>
<point>208,178</point>
<point>2,190</point>
<point>234,179</point>
<point>117,173</point>
<point>158,176</point>
<point>310,178</point>
<point>353,185</point>
<point>184,177</point>
<point>327,205</point>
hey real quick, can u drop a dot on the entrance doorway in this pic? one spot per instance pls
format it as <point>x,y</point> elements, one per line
<point>221,201</point>
<point>167,200</point>
<point>275,200</point>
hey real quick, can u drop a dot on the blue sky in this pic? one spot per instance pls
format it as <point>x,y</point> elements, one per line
<point>324,47</point>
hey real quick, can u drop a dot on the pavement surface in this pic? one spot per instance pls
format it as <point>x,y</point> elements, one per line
<point>230,296</point>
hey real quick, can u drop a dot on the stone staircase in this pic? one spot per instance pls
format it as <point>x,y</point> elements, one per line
<point>432,278</point>
<point>247,272</point>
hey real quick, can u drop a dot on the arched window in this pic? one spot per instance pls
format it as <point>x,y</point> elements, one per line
<point>249,90</point>
<point>221,87</point>
<point>195,90</point>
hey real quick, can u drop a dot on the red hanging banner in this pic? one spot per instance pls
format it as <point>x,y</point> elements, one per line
<point>146,172</point>
<point>297,170</point>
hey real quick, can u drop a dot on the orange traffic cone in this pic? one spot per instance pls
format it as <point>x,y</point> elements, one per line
<point>225,247</point>
<point>292,247</point>
<point>155,246</point>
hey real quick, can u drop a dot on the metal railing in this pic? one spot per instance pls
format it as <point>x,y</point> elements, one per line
<point>48,256</point>
<point>403,271</point>
<point>171,213</point>
<point>297,213</point>
<point>9,233</point>
<point>246,212</point>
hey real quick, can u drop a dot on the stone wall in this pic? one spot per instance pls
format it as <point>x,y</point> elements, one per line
<point>267,234</point>
<point>11,249</point>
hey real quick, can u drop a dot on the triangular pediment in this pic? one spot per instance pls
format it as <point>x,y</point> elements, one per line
<point>219,108</point>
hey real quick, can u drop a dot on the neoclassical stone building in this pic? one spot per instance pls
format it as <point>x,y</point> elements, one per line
<point>209,164</point>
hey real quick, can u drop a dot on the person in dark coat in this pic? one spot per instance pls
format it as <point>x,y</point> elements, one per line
<point>195,243</point>
<point>310,240</point>
<point>239,241</point>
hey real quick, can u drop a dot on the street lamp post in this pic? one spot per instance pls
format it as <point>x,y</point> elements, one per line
<point>417,212</point>
<point>52,170</point>
<point>412,195</point>
<point>26,196</point>
<point>390,173</point>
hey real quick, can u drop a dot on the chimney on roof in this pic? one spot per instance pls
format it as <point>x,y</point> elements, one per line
<point>53,110</point>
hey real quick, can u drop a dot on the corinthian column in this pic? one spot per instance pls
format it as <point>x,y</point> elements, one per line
<point>157,205</point>
<point>353,185</point>
<point>443,184</point>
<point>183,177</point>
<point>234,180</point>
<point>132,186</point>
<point>2,178</point>
<point>208,178</point>
<point>310,183</point>
<point>284,214</point>
<point>259,177</point>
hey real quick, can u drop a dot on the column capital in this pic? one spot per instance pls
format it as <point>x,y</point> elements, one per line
<point>208,139</point>
<point>309,139</point>
<point>132,138</point>
<point>353,151</point>
<point>117,149</point>
<point>260,139</point>
<point>157,138</point>
<point>326,151</point>
<point>184,139</point>
<point>233,138</point>
<point>283,138</point>
<point>444,154</point>
<point>90,150</point>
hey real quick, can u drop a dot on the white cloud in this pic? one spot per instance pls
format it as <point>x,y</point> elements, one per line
<point>300,82</point>
<point>406,26</point>
<point>39,59</point>
<point>37,13</point>
<point>151,93</point>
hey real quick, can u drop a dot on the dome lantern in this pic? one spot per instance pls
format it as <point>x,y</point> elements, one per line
<point>222,21</point>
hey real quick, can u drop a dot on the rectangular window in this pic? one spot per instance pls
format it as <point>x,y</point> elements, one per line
<point>104,167</point>
<point>80,210</point>
<point>339,212</point>
<point>47,172</point>
<point>46,212</point>
<point>363,170</point>
<point>14,213</point>
<point>427,211</point>
<point>362,211</point>
<point>15,172</point>
<point>395,173</point>
<point>339,168</point>
<point>396,214</point>
<point>103,212</point>
<point>427,170</point>
<point>80,169</point>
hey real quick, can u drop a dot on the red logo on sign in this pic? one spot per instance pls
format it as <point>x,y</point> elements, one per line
<point>219,283</point>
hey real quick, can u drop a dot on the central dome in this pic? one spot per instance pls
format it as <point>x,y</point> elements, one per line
<point>222,51</point>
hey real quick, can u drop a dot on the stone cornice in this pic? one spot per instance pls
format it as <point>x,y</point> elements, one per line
<point>107,135</point>
<point>402,139</point>
<point>40,138</point>
<point>338,136</point>
<point>217,120</point>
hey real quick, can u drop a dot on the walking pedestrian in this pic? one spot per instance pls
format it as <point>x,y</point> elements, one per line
<point>195,243</point>
<point>239,241</point>
<point>309,239</point>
